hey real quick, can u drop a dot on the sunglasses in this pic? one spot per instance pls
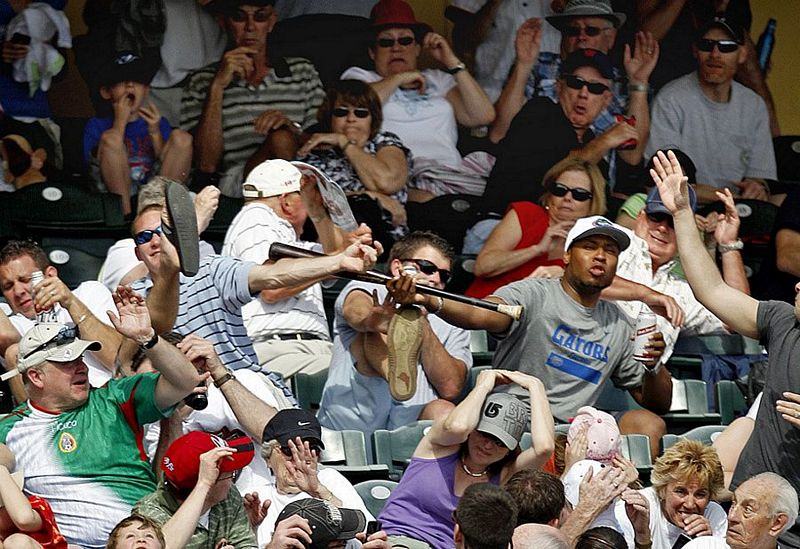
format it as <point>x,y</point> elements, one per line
<point>341,112</point>
<point>64,336</point>
<point>724,46</point>
<point>234,475</point>
<point>660,217</point>
<point>577,83</point>
<point>143,237</point>
<point>430,268</point>
<point>559,189</point>
<point>240,16</point>
<point>389,42</point>
<point>574,31</point>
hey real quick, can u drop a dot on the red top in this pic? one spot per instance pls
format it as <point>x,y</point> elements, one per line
<point>49,536</point>
<point>534,222</point>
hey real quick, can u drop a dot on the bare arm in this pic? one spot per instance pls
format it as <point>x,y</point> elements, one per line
<point>542,426</point>
<point>725,233</point>
<point>787,245</point>
<point>446,373</point>
<point>207,141</point>
<point>734,308</point>
<point>658,16</point>
<point>8,334</point>
<point>470,103</point>
<point>386,86</point>
<point>162,300</point>
<point>386,172</point>
<point>655,393</point>
<point>17,505</point>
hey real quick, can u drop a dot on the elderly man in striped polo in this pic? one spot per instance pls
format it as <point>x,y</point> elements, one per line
<point>249,106</point>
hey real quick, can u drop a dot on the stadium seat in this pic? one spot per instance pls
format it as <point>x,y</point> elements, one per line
<point>76,259</point>
<point>637,449</point>
<point>395,448</point>
<point>757,219</point>
<point>479,345</point>
<point>374,494</point>
<point>346,451</point>
<point>704,434</point>
<point>307,389</point>
<point>787,156</point>
<point>463,274</point>
<point>730,401</point>
<point>449,216</point>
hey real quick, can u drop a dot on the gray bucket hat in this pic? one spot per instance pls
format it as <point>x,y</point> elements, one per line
<point>505,417</point>
<point>586,8</point>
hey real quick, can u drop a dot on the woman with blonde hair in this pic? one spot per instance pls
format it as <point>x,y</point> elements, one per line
<point>529,241</point>
<point>685,480</point>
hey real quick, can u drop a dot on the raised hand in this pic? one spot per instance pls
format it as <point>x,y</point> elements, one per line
<point>438,47</point>
<point>152,116</point>
<point>134,317</point>
<point>201,353</point>
<point>302,467</point>
<point>576,450</point>
<point>205,206</point>
<point>403,290</point>
<point>209,464</point>
<point>628,467</point>
<point>359,257</point>
<point>640,64</point>
<point>50,291</point>
<point>666,306</point>
<point>672,184</point>
<point>528,41</point>
<point>727,229</point>
<point>236,63</point>
<point>256,511</point>
<point>638,511</point>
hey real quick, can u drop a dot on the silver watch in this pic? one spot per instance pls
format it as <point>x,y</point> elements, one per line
<point>732,247</point>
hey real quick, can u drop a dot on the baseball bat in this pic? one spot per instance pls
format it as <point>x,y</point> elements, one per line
<point>278,250</point>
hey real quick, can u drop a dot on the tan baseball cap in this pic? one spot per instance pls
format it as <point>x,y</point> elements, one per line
<point>54,342</point>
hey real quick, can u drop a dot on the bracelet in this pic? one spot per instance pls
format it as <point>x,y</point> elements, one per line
<point>460,66</point>
<point>636,87</point>
<point>223,380</point>
<point>150,344</point>
<point>647,545</point>
<point>732,247</point>
<point>440,307</point>
<point>81,319</point>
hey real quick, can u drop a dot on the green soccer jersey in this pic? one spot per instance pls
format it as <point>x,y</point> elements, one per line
<point>88,463</point>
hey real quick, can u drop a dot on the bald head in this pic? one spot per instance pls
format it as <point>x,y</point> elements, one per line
<point>539,536</point>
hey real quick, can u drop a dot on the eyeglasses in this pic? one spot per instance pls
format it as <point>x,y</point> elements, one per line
<point>577,83</point>
<point>660,217</point>
<point>143,237</point>
<point>574,30</point>
<point>389,42</point>
<point>341,112</point>
<point>559,189</point>
<point>234,475</point>
<point>724,46</point>
<point>430,268</point>
<point>240,16</point>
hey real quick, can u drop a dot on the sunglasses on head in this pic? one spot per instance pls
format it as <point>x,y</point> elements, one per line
<point>341,112</point>
<point>724,46</point>
<point>660,217</point>
<point>577,83</point>
<point>574,30</point>
<point>240,16</point>
<point>64,336</point>
<point>559,189</point>
<point>389,42</point>
<point>430,268</point>
<point>143,237</point>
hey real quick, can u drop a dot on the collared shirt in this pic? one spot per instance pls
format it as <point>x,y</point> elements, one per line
<point>292,86</point>
<point>635,264</point>
<point>227,519</point>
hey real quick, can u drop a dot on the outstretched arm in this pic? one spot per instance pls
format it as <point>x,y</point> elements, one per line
<point>734,308</point>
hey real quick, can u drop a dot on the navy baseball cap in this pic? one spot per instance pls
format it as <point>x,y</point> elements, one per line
<point>588,58</point>
<point>653,204</point>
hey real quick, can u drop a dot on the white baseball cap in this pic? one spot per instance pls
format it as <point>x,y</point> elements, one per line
<point>272,178</point>
<point>597,224</point>
<point>54,342</point>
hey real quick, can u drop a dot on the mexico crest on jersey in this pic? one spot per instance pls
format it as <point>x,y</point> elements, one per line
<point>67,443</point>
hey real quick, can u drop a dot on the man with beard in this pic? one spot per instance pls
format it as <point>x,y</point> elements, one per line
<point>566,336</point>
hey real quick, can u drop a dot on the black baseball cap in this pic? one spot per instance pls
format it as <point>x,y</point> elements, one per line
<point>588,58</point>
<point>289,424</point>
<point>727,24</point>
<point>124,67</point>
<point>328,523</point>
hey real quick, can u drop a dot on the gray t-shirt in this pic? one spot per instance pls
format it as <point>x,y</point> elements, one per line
<point>726,141</point>
<point>573,349</point>
<point>775,443</point>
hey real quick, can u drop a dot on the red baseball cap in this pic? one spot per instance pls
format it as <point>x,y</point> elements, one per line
<point>181,464</point>
<point>396,13</point>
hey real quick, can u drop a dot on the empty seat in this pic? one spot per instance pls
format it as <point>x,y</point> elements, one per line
<point>731,402</point>
<point>307,389</point>
<point>479,346</point>
<point>346,451</point>
<point>394,448</point>
<point>374,494</point>
<point>704,434</point>
<point>76,259</point>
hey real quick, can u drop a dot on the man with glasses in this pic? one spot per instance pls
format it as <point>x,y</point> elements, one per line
<point>721,124</point>
<point>80,446</point>
<point>250,106</point>
<point>197,505</point>
<point>391,365</point>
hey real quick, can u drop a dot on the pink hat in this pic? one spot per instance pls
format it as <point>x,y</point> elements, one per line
<point>602,433</point>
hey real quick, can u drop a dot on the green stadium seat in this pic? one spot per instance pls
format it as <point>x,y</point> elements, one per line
<point>374,494</point>
<point>704,434</point>
<point>479,346</point>
<point>637,449</point>
<point>307,389</point>
<point>76,259</point>
<point>730,401</point>
<point>346,451</point>
<point>394,448</point>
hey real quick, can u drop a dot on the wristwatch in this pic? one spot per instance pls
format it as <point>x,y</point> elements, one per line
<point>732,247</point>
<point>151,343</point>
<point>223,380</point>
<point>457,69</point>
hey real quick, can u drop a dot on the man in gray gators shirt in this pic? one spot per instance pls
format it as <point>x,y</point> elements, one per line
<point>567,336</point>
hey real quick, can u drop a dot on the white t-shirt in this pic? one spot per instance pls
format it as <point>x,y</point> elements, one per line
<point>98,300</point>
<point>249,237</point>
<point>662,532</point>
<point>494,57</point>
<point>425,122</point>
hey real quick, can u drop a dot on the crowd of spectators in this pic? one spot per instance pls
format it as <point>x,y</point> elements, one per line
<point>607,146</point>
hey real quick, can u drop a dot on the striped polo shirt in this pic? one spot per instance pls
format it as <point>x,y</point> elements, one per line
<point>292,86</point>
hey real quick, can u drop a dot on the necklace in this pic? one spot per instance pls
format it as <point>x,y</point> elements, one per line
<point>470,473</point>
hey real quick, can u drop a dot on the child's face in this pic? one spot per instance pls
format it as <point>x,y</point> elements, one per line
<point>133,92</point>
<point>137,536</point>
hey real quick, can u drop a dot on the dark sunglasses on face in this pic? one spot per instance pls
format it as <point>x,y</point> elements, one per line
<point>559,189</point>
<point>389,42</point>
<point>577,83</point>
<point>341,112</point>
<point>430,268</point>
<point>240,16</point>
<point>660,217</point>
<point>724,46</point>
<point>143,237</point>
<point>574,31</point>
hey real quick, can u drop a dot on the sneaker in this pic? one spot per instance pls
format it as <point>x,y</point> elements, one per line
<point>404,342</point>
<point>183,230</point>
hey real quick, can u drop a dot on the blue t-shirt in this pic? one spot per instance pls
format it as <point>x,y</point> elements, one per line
<point>141,154</point>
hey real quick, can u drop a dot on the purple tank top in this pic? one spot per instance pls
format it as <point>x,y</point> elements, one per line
<point>422,505</point>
